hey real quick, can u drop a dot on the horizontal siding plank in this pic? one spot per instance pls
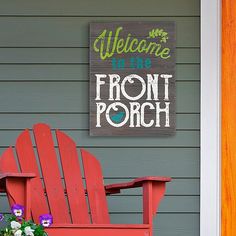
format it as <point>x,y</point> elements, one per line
<point>73,97</point>
<point>177,187</point>
<point>126,162</point>
<point>171,204</point>
<point>133,204</point>
<point>130,163</point>
<point>135,162</point>
<point>180,139</point>
<point>77,121</point>
<point>165,224</point>
<point>52,72</point>
<point>104,8</point>
<point>74,55</point>
<point>177,225</point>
<point>73,31</point>
<point>146,161</point>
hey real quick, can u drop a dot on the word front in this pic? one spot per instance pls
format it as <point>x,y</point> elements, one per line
<point>152,97</point>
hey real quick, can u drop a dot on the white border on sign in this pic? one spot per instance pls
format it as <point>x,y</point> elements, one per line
<point>210,206</point>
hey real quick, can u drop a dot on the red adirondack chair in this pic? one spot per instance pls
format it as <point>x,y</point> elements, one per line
<point>25,187</point>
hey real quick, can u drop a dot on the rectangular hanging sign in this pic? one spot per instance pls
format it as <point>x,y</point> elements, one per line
<point>132,78</point>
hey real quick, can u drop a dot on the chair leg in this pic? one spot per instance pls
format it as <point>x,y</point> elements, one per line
<point>153,192</point>
<point>18,192</point>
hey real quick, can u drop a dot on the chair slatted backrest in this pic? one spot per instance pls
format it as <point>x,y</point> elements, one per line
<point>66,204</point>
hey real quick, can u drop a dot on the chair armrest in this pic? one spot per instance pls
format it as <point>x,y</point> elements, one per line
<point>17,186</point>
<point>136,183</point>
<point>153,192</point>
<point>5,176</point>
<point>20,175</point>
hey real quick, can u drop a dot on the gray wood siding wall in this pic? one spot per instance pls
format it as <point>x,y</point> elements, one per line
<point>44,78</point>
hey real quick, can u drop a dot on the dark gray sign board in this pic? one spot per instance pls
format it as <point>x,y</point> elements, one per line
<point>132,78</point>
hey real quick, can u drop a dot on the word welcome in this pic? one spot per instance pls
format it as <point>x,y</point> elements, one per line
<point>108,43</point>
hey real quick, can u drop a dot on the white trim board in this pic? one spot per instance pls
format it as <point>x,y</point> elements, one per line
<point>210,206</point>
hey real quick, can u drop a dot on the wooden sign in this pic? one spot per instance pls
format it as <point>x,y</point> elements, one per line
<point>132,78</point>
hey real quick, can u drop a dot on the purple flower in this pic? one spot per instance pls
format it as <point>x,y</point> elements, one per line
<point>17,210</point>
<point>1,217</point>
<point>45,220</point>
